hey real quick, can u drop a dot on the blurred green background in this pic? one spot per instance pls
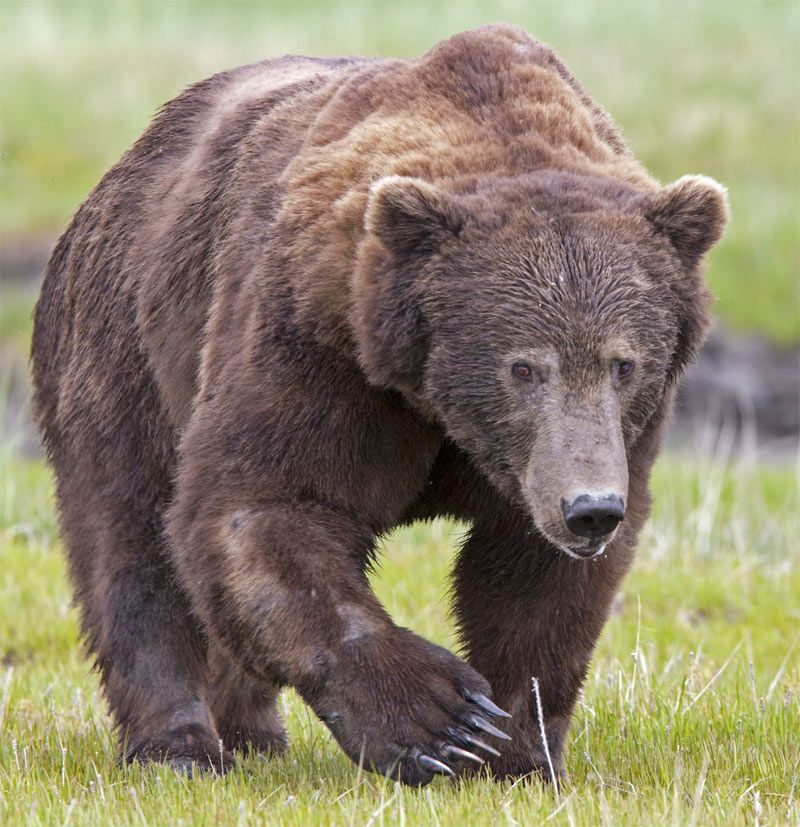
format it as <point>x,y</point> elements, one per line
<point>700,86</point>
<point>709,86</point>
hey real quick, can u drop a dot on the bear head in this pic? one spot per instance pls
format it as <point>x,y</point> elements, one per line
<point>541,319</point>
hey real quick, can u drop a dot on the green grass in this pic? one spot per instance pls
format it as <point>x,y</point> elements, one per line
<point>16,318</point>
<point>691,713</point>
<point>697,87</point>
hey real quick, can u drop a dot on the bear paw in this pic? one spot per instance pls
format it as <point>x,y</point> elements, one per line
<point>409,710</point>
<point>187,749</point>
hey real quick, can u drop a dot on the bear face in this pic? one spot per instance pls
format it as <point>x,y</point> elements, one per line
<point>541,320</point>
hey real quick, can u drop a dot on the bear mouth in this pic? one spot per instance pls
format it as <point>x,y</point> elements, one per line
<point>584,552</point>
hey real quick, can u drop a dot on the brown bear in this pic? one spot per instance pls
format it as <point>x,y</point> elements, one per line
<point>319,299</point>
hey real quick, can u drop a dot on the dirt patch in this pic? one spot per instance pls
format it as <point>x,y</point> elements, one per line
<point>17,430</point>
<point>743,394</point>
<point>24,259</point>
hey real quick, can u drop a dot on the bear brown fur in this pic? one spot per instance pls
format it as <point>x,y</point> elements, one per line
<point>319,299</point>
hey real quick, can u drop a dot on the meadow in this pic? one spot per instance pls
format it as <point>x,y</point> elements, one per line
<point>706,86</point>
<point>691,712</point>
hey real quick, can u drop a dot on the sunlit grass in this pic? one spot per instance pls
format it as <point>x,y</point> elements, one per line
<point>690,713</point>
<point>697,87</point>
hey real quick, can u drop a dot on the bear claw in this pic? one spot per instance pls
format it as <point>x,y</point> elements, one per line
<point>468,739</point>
<point>432,764</point>
<point>486,704</point>
<point>479,722</point>
<point>455,753</point>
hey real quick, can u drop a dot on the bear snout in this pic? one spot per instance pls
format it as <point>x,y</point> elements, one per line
<point>593,516</point>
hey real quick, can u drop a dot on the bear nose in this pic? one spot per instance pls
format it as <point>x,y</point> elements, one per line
<point>593,516</point>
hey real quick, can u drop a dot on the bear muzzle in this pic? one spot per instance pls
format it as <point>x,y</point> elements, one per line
<point>593,517</point>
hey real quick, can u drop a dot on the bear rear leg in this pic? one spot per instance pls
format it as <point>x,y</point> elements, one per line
<point>244,708</point>
<point>148,648</point>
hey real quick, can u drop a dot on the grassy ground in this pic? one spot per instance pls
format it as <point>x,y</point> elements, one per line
<point>697,86</point>
<point>691,713</point>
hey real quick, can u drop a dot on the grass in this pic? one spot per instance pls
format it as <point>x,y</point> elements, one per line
<point>690,713</point>
<point>697,87</point>
<point>17,301</point>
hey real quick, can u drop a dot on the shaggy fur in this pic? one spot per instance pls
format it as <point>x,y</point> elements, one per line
<point>321,298</point>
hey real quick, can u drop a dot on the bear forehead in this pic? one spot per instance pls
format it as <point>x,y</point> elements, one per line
<point>563,290</point>
<point>559,259</point>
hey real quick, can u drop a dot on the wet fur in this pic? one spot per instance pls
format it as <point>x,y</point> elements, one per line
<point>257,350</point>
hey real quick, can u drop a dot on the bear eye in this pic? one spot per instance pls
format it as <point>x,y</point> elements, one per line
<point>623,369</point>
<point>522,370</point>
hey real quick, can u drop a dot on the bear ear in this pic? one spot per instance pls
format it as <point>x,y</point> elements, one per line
<point>692,212</point>
<point>410,216</point>
<point>408,220</point>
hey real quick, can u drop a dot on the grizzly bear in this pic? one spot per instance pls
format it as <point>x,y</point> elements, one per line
<point>319,299</point>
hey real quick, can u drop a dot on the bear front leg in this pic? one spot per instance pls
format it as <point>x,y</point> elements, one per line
<point>526,610</point>
<point>281,585</point>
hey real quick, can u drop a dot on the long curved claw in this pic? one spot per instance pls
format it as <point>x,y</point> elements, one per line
<point>486,704</point>
<point>479,722</point>
<point>434,765</point>
<point>455,753</point>
<point>476,742</point>
<point>467,739</point>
